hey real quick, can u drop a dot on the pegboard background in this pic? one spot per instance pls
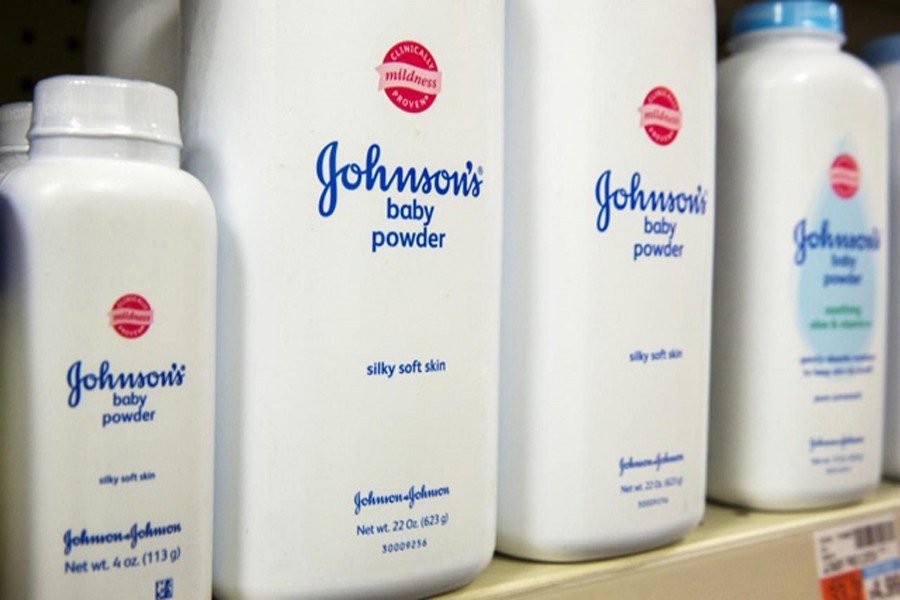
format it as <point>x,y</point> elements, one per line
<point>39,38</point>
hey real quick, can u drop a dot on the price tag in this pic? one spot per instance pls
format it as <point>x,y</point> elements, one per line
<point>859,561</point>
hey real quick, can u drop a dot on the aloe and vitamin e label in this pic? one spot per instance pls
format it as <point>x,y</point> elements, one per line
<point>122,406</point>
<point>835,253</point>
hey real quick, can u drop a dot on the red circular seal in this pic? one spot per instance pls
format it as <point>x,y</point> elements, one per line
<point>409,77</point>
<point>131,316</point>
<point>661,116</point>
<point>844,176</point>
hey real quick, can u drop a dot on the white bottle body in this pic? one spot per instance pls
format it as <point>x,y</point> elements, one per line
<point>83,469</point>
<point>586,396</point>
<point>320,312</point>
<point>14,121</point>
<point>135,39</point>
<point>11,160</point>
<point>890,76</point>
<point>797,407</point>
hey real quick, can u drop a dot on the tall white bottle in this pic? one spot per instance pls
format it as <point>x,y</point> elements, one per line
<point>607,275</point>
<point>884,56</point>
<point>15,118</point>
<point>354,153</point>
<point>135,39</point>
<point>108,352</point>
<point>800,290</point>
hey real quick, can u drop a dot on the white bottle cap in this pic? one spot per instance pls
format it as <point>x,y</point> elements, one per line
<point>15,118</point>
<point>85,106</point>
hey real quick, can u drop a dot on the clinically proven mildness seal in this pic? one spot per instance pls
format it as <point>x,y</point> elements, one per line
<point>409,77</point>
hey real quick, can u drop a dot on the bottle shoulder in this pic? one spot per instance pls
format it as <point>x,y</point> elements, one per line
<point>792,69</point>
<point>756,87</point>
<point>99,180</point>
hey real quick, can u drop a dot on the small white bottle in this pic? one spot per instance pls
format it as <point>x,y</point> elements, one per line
<point>354,151</point>
<point>607,275</point>
<point>883,55</point>
<point>108,352</point>
<point>15,118</point>
<point>801,271</point>
<point>135,39</point>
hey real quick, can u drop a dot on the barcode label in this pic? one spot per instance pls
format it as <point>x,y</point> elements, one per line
<point>859,561</point>
<point>874,534</point>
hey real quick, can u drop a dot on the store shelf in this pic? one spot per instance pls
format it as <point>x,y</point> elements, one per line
<point>733,554</point>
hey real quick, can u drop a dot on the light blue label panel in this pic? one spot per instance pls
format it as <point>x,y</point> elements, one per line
<point>835,252</point>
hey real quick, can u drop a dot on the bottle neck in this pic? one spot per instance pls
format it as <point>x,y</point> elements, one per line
<point>824,41</point>
<point>115,148</point>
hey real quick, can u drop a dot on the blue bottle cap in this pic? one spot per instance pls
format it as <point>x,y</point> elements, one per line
<point>882,51</point>
<point>803,15</point>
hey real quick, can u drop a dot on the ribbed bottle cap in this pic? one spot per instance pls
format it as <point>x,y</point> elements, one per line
<point>883,50</point>
<point>801,15</point>
<point>15,119</point>
<point>85,106</point>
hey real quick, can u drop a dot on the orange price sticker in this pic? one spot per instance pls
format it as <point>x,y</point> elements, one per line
<point>847,586</point>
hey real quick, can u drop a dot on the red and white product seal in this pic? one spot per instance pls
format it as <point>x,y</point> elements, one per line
<point>409,77</point>
<point>131,316</point>
<point>844,176</point>
<point>661,116</point>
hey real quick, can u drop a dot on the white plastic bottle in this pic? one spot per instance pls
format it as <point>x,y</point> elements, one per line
<point>354,153</point>
<point>800,289</point>
<point>607,275</point>
<point>108,352</point>
<point>884,56</point>
<point>15,118</point>
<point>135,39</point>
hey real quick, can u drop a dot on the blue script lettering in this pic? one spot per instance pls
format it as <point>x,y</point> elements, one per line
<point>841,442</point>
<point>661,459</point>
<point>824,239</point>
<point>414,495</point>
<point>335,176</point>
<point>104,379</point>
<point>634,198</point>
<point>137,532</point>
